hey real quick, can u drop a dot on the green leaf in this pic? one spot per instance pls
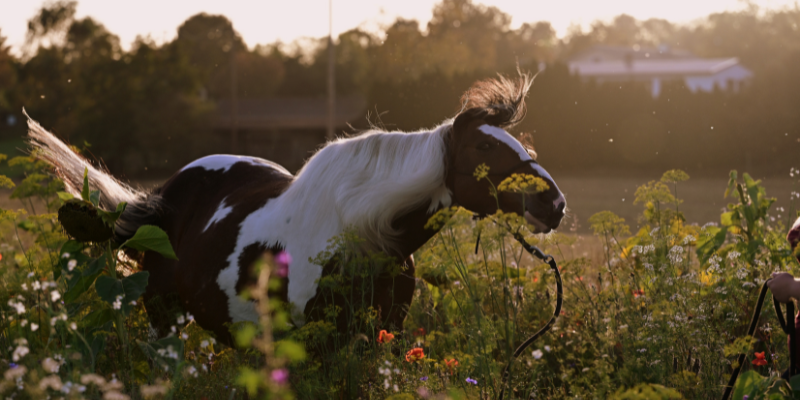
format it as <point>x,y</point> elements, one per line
<point>167,352</point>
<point>111,217</point>
<point>65,196</point>
<point>726,219</point>
<point>746,383</point>
<point>731,183</point>
<point>94,198</point>
<point>250,380</point>
<point>97,318</point>
<point>130,288</point>
<point>85,280</point>
<point>293,351</point>
<point>6,182</point>
<point>85,190</point>
<point>151,238</point>
<point>794,382</point>
<point>710,241</point>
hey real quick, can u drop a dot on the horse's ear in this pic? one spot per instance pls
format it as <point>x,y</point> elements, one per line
<point>467,116</point>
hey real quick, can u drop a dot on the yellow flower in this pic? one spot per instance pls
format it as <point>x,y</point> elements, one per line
<point>481,172</point>
<point>523,183</point>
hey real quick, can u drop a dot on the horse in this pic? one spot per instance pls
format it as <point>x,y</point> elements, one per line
<point>223,212</point>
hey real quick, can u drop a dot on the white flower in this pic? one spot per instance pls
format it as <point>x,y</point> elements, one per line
<point>537,354</point>
<point>184,336</point>
<point>19,307</point>
<point>688,239</point>
<point>73,326</point>
<point>51,365</point>
<point>204,344</point>
<point>547,348</point>
<point>54,295</point>
<point>641,350</point>
<point>23,323</point>
<point>25,286</point>
<point>623,327</point>
<point>585,370</point>
<point>36,285</point>
<point>72,264</point>
<point>117,303</point>
<point>181,320</point>
<point>19,352</point>
<point>34,327</point>
<point>733,255</point>
<point>65,255</point>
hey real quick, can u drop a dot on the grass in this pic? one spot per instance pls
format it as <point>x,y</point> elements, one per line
<point>658,311</point>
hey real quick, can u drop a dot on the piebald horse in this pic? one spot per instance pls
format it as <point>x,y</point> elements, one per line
<point>222,212</point>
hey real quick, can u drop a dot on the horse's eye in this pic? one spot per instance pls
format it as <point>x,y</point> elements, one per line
<point>484,146</point>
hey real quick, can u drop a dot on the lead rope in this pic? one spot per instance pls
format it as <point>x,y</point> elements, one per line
<point>536,252</point>
<point>789,328</point>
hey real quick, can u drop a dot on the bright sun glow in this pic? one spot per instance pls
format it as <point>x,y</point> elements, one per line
<point>267,21</point>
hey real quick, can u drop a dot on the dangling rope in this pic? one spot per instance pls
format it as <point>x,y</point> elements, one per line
<point>787,325</point>
<point>536,252</point>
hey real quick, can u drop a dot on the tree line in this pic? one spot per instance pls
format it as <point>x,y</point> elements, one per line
<point>147,110</point>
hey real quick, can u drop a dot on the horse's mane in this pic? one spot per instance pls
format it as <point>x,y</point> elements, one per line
<point>500,101</point>
<point>371,179</point>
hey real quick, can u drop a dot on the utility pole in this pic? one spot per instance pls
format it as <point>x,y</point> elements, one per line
<point>330,134</point>
<point>234,106</point>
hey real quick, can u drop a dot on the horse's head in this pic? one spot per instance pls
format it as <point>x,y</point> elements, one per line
<point>478,138</point>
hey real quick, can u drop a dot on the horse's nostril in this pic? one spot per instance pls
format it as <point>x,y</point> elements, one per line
<point>560,207</point>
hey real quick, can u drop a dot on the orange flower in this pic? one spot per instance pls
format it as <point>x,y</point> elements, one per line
<point>420,332</point>
<point>385,337</point>
<point>638,292</point>
<point>415,354</point>
<point>451,363</point>
<point>760,360</point>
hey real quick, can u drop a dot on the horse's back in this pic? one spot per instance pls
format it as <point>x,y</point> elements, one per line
<point>204,205</point>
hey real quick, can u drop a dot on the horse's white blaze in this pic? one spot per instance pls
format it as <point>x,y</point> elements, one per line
<point>505,137</point>
<point>219,215</point>
<point>226,161</point>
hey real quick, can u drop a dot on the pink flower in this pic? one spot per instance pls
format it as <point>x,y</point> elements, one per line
<point>280,376</point>
<point>282,261</point>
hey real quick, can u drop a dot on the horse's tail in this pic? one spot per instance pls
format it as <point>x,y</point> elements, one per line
<point>142,207</point>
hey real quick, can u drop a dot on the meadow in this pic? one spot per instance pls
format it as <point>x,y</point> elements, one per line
<point>656,306</point>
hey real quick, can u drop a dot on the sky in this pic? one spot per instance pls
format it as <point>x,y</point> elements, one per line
<point>268,21</point>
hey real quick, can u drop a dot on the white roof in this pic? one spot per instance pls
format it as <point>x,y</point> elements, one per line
<point>657,67</point>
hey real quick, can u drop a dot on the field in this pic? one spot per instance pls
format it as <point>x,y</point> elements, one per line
<point>655,306</point>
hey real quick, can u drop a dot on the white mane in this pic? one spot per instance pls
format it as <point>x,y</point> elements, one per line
<point>373,178</point>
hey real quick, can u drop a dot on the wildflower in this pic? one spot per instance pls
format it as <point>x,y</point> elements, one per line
<point>481,172</point>
<point>24,287</point>
<point>36,285</point>
<point>117,303</point>
<point>52,381</point>
<point>204,344</point>
<point>73,326</point>
<point>537,354</point>
<point>71,264</point>
<point>17,306</point>
<point>733,255</point>
<point>638,292</point>
<point>415,354</point>
<point>385,337</point>
<point>472,381</point>
<point>424,379</point>
<point>16,371</point>
<point>54,295</point>
<point>451,363</point>
<point>21,350</point>
<point>51,365</point>
<point>282,261</point>
<point>547,348</point>
<point>420,332</point>
<point>34,327</point>
<point>181,320</point>
<point>760,360</point>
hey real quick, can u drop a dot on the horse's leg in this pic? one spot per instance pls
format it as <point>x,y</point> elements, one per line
<point>393,296</point>
<point>160,297</point>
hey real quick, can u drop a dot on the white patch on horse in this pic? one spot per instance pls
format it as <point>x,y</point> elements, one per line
<point>219,215</point>
<point>225,162</point>
<point>505,137</point>
<point>362,182</point>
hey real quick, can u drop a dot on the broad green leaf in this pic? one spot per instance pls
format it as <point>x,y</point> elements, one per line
<point>151,238</point>
<point>293,351</point>
<point>111,217</point>
<point>794,382</point>
<point>710,241</point>
<point>85,280</point>
<point>97,318</point>
<point>65,196</point>
<point>746,383</point>
<point>85,190</point>
<point>726,218</point>
<point>129,288</point>
<point>72,247</point>
<point>94,198</point>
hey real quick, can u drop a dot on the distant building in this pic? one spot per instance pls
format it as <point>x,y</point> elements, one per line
<point>284,130</point>
<point>654,66</point>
